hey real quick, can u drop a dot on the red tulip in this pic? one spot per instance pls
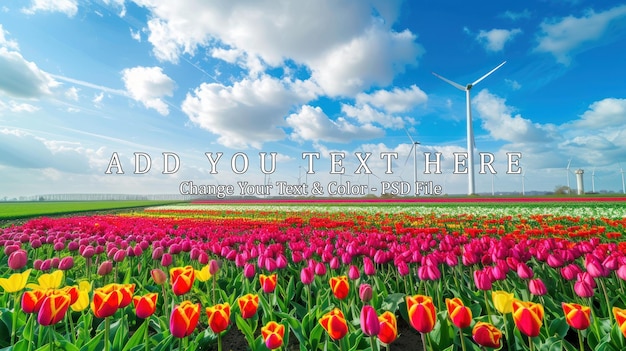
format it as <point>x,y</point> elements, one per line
<point>273,334</point>
<point>528,317</point>
<point>219,317</point>
<point>184,319</point>
<point>268,283</point>
<point>335,324</point>
<point>577,316</point>
<point>31,300</point>
<point>421,312</point>
<point>145,305</point>
<point>388,328</point>
<point>340,286</point>
<point>248,305</point>
<point>459,314</point>
<point>486,335</point>
<point>53,307</point>
<point>620,319</point>
<point>181,279</point>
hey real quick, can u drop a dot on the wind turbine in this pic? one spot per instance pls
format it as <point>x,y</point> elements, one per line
<point>621,170</point>
<point>568,172</point>
<point>414,151</point>
<point>523,183</point>
<point>470,130</point>
<point>593,180</point>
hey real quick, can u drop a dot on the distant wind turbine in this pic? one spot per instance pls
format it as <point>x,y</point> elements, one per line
<point>593,180</point>
<point>414,151</point>
<point>470,131</point>
<point>621,170</point>
<point>523,183</point>
<point>568,172</point>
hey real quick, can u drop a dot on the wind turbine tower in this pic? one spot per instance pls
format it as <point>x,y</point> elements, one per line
<point>470,130</point>
<point>621,170</point>
<point>567,170</point>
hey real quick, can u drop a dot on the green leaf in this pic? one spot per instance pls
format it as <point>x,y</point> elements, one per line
<point>95,343</point>
<point>121,333</point>
<point>137,338</point>
<point>21,345</point>
<point>392,301</point>
<point>165,343</point>
<point>558,327</point>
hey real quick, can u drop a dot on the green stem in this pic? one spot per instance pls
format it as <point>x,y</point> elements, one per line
<point>51,338</point>
<point>107,331</point>
<point>219,342</point>
<point>69,317</point>
<point>581,345</point>
<point>506,331</point>
<point>424,341</point>
<point>30,327</point>
<point>488,307</point>
<point>606,298</point>
<point>146,341</point>
<point>373,343</point>
<point>530,344</point>
<point>16,301</point>
<point>462,339</point>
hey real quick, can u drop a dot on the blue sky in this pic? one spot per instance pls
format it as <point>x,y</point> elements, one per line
<point>83,80</point>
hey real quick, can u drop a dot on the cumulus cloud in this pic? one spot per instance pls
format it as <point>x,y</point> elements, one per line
<point>72,93</point>
<point>350,50</point>
<point>22,78</point>
<point>495,39</point>
<point>149,85</point>
<point>498,119</point>
<point>569,35</point>
<point>606,113</point>
<point>247,113</point>
<point>514,16</point>
<point>68,7</point>
<point>396,100</point>
<point>311,123</point>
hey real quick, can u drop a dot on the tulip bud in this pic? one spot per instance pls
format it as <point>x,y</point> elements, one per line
<point>369,321</point>
<point>306,276</point>
<point>166,260</point>
<point>320,269</point>
<point>18,259</point>
<point>365,292</point>
<point>368,266</point>
<point>537,287</point>
<point>248,270</point>
<point>158,276</point>
<point>214,266</point>
<point>46,265</point>
<point>105,268</point>
<point>66,263</point>
<point>353,272</point>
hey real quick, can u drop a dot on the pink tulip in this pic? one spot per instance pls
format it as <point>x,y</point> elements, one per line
<point>403,268</point>
<point>583,289</point>
<point>369,321</point>
<point>537,287</point>
<point>18,259</point>
<point>368,267</point>
<point>66,263</point>
<point>523,271</point>
<point>482,280</point>
<point>307,276</point>
<point>353,272</point>
<point>570,272</point>
<point>249,271</point>
<point>365,292</point>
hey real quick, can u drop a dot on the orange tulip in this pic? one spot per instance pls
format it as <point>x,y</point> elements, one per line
<point>486,335</point>
<point>184,319</point>
<point>577,316</point>
<point>145,305</point>
<point>248,305</point>
<point>528,317</point>
<point>459,314</point>
<point>273,334</point>
<point>388,328</point>
<point>111,297</point>
<point>620,318</point>
<point>53,307</point>
<point>219,317</point>
<point>335,324</point>
<point>268,282</point>
<point>340,286</point>
<point>182,279</point>
<point>421,313</point>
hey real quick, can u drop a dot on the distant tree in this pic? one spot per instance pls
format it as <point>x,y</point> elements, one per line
<point>562,190</point>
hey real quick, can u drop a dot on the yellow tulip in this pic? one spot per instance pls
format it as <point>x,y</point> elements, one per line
<point>503,301</point>
<point>204,274</point>
<point>16,282</point>
<point>48,281</point>
<point>84,288</point>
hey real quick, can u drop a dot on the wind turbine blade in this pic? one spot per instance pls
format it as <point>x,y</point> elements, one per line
<point>407,133</point>
<point>485,76</point>
<point>409,155</point>
<point>568,163</point>
<point>454,84</point>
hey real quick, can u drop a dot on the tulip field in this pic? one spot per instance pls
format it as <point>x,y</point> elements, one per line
<point>319,276</point>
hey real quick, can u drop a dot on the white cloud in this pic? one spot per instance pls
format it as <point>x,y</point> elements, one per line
<point>515,85</point>
<point>606,113</point>
<point>311,123</point>
<point>22,107</point>
<point>119,4</point>
<point>97,98</point>
<point>68,7</point>
<point>21,78</point>
<point>136,35</point>
<point>495,39</point>
<point>149,85</point>
<point>396,100</point>
<point>365,114</point>
<point>72,93</point>
<point>4,42</point>
<point>570,35</point>
<point>497,119</point>
<point>372,59</point>
<point>248,113</point>
<point>350,50</point>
